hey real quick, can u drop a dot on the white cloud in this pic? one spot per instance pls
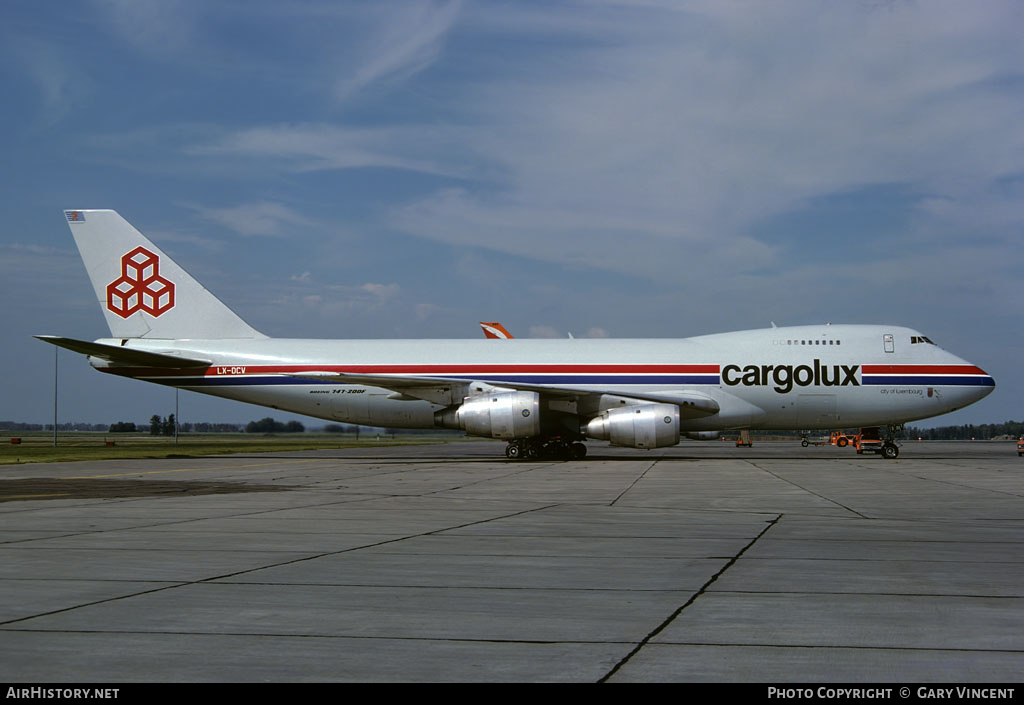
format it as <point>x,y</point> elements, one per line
<point>338,300</point>
<point>544,332</point>
<point>61,87</point>
<point>261,218</point>
<point>409,41</point>
<point>323,147</point>
<point>662,141</point>
<point>166,28</point>
<point>382,292</point>
<point>426,310</point>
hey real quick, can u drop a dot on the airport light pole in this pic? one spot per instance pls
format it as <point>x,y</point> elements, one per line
<point>55,351</point>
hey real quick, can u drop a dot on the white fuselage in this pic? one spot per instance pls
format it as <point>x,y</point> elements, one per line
<point>806,377</point>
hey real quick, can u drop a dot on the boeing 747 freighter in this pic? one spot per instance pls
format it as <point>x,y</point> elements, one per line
<point>540,396</point>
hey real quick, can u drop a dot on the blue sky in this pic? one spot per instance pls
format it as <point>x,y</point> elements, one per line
<point>624,169</point>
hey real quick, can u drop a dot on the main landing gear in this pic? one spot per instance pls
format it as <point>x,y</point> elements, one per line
<point>545,449</point>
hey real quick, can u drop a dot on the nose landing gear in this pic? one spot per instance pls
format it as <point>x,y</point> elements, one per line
<point>890,450</point>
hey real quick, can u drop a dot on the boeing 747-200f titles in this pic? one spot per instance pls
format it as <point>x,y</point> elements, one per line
<point>541,396</point>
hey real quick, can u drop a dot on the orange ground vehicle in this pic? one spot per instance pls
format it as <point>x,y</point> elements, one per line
<point>843,439</point>
<point>1020,446</point>
<point>870,441</point>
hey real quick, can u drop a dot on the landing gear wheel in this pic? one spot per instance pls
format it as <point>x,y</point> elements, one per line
<point>513,451</point>
<point>890,451</point>
<point>579,451</point>
<point>804,443</point>
<point>531,452</point>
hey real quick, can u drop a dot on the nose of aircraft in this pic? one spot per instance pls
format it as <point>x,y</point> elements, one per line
<point>975,381</point>
<point>988,383</point>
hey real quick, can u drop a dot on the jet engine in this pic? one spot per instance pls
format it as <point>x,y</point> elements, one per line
<point>504,415</point>
<point>637,426</point>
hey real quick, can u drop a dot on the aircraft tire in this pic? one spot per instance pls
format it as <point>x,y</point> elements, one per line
<point>890,451</point>
<point>579,451</point>
<point>804,443</point>
<point>513,451</point>
<point>564,451</point>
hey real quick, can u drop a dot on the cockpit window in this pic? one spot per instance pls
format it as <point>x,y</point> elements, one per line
<point>915,339</point>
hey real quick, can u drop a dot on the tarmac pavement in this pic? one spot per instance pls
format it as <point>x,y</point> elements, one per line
<point>702,562</point>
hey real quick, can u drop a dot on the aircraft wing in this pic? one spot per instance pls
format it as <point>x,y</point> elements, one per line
<point>124,356</point>
<point>692,403</point>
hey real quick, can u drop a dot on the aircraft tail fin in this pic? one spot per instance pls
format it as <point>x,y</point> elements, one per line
<point>495,330</point>
<point>144,293</point>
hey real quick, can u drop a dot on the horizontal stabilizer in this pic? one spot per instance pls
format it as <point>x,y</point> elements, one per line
<point>123,356</point>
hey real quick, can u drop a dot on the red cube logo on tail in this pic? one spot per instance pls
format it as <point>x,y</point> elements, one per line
<point>140,286</point>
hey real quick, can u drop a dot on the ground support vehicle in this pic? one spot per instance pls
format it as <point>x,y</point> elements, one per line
<point>843,439</point>
<point>871,441</point>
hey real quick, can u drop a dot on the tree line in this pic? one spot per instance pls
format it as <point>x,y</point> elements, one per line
<point>966,432</point>
<point>164,426</point>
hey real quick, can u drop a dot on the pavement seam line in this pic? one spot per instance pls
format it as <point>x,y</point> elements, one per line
<point>809,491</point>
<point>372,545</point>
<point>179,583</point>
<point>634,482</point>
<point>672,617</point>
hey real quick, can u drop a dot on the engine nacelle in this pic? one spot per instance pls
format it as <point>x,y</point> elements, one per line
<point>637,426</point>
<point>704,435</point>
<point>505,415</point>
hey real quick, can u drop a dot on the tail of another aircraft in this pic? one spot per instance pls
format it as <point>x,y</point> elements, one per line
<point>143,293</point>
<point>495,330</point>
